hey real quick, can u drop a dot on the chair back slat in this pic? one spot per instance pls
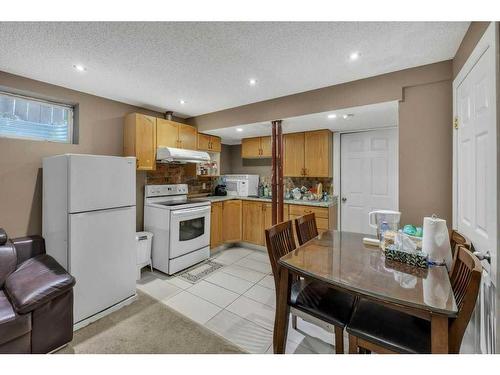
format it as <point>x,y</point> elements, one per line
<point>457,239</point>
<point>279,242</point>
<point>465,282</point>
<point>306,229</point>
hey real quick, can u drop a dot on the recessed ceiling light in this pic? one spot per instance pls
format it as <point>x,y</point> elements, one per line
<point>348,116</point>
<point>252,81</point>
<point>239,129</point>
<point>182,101</point>
<point>79,68</point>
<point>354,56</point>
<point>332,115</point>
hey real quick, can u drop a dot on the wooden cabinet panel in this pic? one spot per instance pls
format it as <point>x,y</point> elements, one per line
<point>215,144</point>
<point>299,210</point>
<point>231,221</point>
<point>139,140</point>
<point>265,147</point>
<point>318,153</point>
<point>209,143</point>
<point>250,147</point>
<point>187,137</point>
<point>268,214</point>
<point>167,133</point>
<point>203,142</point>
<point>293,152</point>
<point>216,225</point>
<point>253,228</point>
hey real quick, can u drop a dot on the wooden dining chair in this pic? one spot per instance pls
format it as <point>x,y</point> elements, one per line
<point>313,301</point>
<point>377,328</point>
<point>305,227</point>
<point>457,239</point>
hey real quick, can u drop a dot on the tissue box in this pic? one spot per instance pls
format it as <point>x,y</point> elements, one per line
<point>417,259</point>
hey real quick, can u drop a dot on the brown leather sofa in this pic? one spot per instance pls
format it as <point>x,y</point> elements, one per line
<point>36,298</point>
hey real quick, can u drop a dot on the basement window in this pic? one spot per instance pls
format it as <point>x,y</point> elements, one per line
<point>24,117</point>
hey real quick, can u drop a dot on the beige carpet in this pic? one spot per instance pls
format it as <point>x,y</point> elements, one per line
<point>147,326</point>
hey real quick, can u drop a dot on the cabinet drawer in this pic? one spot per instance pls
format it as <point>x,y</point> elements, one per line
<point>321,223</point>
<point>319,212</point>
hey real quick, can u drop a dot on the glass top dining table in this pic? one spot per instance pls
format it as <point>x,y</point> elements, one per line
<point>341,260</point>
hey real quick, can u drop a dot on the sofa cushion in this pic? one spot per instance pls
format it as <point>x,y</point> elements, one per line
<point>8,260</point>
<point>12,325</point>
<point>37,281</point>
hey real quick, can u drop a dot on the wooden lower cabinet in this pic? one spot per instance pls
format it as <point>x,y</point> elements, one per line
<point>246,221</point>
<point>216,225</point>
<point>253,222</point>
<point>231,221</point>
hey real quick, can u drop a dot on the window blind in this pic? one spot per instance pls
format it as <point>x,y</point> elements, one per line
<point>31,118</point>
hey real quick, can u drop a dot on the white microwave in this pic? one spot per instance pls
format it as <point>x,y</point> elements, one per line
<point>242,185</point>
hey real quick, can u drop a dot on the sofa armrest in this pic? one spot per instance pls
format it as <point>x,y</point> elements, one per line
<point>28,247</point>
<point>37,281</point>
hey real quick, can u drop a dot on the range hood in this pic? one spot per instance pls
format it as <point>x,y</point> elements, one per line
<point>181,156</point>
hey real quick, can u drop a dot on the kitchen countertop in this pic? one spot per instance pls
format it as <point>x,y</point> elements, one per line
<point>214,198</point>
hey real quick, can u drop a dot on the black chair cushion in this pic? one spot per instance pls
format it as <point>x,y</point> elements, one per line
<point>12,325</point>
<point>317,299</point>
<point>389,328</point>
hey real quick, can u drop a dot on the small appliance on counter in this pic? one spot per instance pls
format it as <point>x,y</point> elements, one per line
<point>242,185</point>
<point>383,220</point>
<point>220,190</point>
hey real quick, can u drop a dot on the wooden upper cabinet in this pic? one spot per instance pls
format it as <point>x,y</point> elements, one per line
<point>308,154</point>
<point>215,144</point>
<point>258,147</point>
<point>216,224</point>
<point>265,147</point>
<point>253,222</point>
<point>188,137</point>
<point>231,221</point>
<point>209,143</point>
<point>293,152</point>
<point>318,153</point>
<point>175,134</point>
<point>167,133</point>
<point>139,140</point>
<point>250,148</point>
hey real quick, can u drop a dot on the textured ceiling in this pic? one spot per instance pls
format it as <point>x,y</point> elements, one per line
<point>373,116</point>
<point>208,64</point>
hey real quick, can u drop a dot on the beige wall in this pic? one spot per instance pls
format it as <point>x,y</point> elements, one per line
<point>262,167</point>
<point>100,132</point>
<point>472,36</point>
<point>425,152</point>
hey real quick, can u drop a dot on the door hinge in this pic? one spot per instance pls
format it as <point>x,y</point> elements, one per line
<point>455,123</point>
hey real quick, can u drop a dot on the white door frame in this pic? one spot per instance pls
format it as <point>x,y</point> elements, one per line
<point>488,40</point>
<point>337,144</point>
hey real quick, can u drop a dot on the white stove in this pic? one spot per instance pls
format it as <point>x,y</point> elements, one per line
<point>180,227</point>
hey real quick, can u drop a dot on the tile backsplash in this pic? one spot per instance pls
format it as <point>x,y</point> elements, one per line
<point>308,182</point>
<point>181,174</point>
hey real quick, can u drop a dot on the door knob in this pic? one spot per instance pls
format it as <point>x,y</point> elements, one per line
<point>483,255</point>
<point>344,199</point>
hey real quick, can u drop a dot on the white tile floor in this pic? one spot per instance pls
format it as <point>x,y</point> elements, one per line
<point>237,302</point>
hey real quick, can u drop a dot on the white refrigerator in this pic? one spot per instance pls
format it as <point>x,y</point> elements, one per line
<point>89,228</point>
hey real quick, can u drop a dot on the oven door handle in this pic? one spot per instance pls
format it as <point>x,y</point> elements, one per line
<point>204,210</point>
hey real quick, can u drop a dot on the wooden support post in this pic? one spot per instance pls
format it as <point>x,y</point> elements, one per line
<point>277,172</point>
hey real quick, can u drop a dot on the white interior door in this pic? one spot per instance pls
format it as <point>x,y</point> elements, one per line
<point>368,177</point>
<point>475,178</point>
<point>102,259</point>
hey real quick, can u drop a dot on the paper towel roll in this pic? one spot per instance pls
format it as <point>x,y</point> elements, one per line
<point>436,241</point>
